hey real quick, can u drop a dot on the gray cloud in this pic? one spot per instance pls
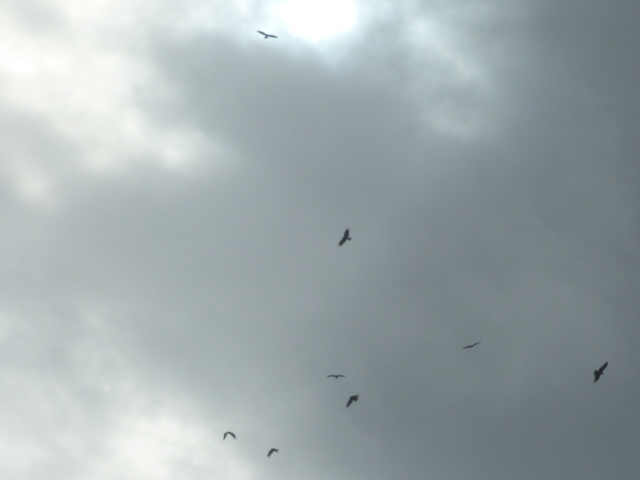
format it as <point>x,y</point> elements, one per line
<point>190,282</point>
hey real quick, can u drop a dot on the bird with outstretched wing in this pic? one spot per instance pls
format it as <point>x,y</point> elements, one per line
<point>599,372</point>
<point>352,398</point>
<point>335,376</point>
<point>224,437</point>
<point>471,346</point>
<point>271,451</point>
<point>266,35</point>
<point>345,237</point>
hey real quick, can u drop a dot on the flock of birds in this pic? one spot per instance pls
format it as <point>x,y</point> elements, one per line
<point>354,398</point>
<point>345,238</point>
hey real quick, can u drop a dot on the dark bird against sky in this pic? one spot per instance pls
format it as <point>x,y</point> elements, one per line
<point>335,376</point>
<point>599,372</point>
<point>224,437</point>
<point>271,451</point>
<point>352,398</point>
<point>266,35</point>
<point>345,237</point>
<point>471,346</point>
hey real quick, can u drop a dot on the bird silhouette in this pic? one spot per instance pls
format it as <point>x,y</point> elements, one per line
<point>271,451</point>
<point>471,346</point>
<point>335,376</point>
<point>352,398</point>
<point>345,237</point>
<point>600,371</point>
<point>228,433</point>
<point>266,35</point>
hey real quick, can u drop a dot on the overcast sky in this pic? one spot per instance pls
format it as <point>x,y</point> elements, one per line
<point>173,190</point>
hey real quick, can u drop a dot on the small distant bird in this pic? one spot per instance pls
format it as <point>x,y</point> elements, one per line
<point>271,451</point>
<point>352,398</point>
<point>600,371</point>
<point>335,376</point>
<point>345,237</point>
<point>471,346</point>
<point>266,35</point>
<point>224,437</point>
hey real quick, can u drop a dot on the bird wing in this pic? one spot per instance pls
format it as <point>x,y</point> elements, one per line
<point>345,237</point>
<point>271,451</point>
<point>340,376</point>
<point>349,402</point>
<point>603,367</point>
<point>260,31</point>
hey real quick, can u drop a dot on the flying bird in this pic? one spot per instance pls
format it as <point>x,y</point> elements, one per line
<point>335,376</point>
<point>224,437</point>
<point>271,451</point>
<point>600,371</point>
<point>266,35</point>
<point>352,398</point>
<point>345,237</point>
<point>471,346</point>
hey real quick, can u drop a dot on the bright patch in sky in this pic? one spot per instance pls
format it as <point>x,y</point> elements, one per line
<point>318,19</point>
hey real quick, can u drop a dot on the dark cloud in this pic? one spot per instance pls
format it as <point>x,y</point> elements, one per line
<point>215,297</point>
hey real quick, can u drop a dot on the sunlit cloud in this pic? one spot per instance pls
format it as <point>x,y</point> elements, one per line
<point>315,20</point>
<point>90,92</point>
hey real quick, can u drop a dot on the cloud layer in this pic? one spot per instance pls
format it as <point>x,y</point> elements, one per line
<point>175,188</point>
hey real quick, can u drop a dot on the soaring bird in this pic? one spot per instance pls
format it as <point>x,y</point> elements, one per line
<point>352,398</point>
<point>271,451</point>
<point>266,35</point>
<point>228,433</point>
<point>600,371</point>
<point>335,376</point>
<point>471,346</point>
<point>345,237</point>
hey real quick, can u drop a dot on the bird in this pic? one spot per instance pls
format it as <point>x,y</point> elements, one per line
<point>228,433</point>
<point>271,451</point>
<point>600,371</point>
<point>471,346</point>
<point>345,237</point>
<point>352,398</point>
<point>266,35</point>
<point>335,376</point>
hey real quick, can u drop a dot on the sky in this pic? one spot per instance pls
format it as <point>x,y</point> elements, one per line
<point>174,188</point>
